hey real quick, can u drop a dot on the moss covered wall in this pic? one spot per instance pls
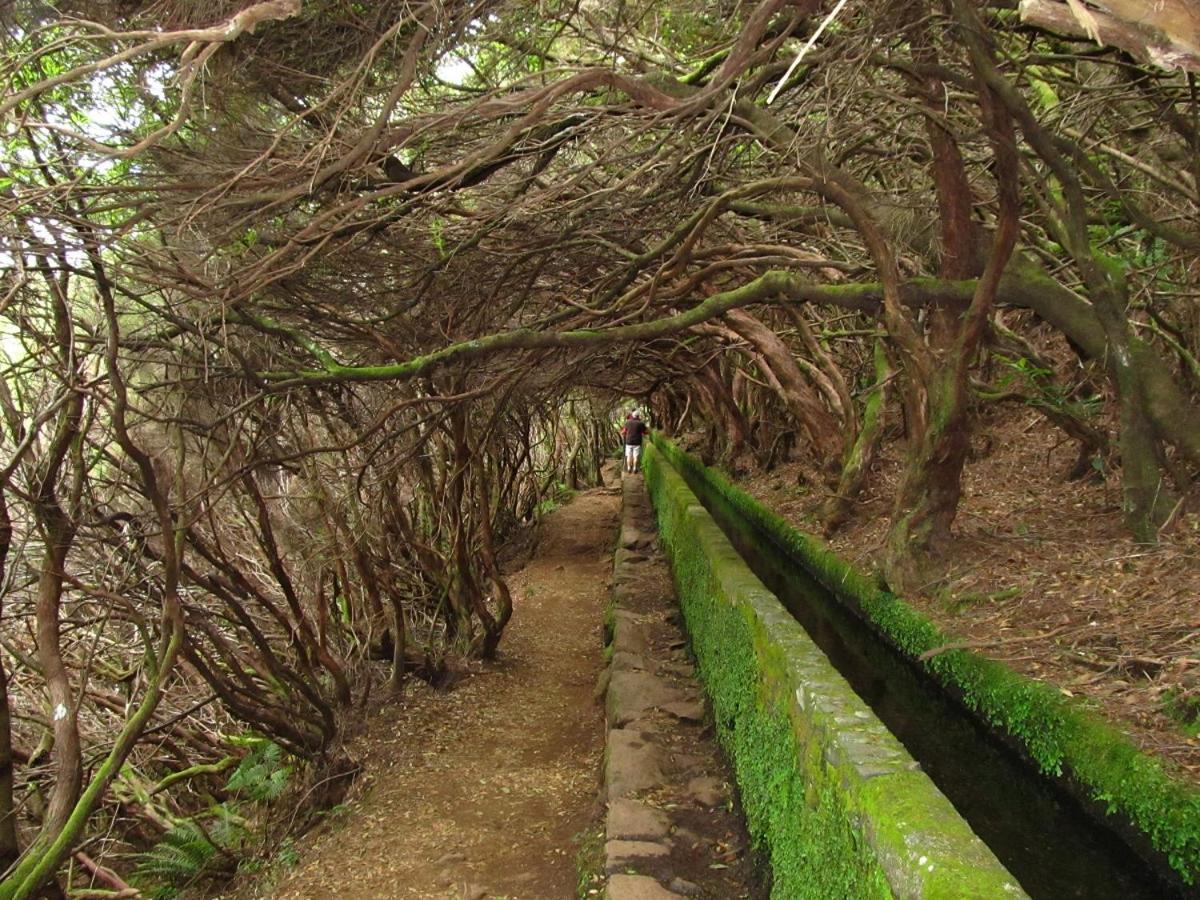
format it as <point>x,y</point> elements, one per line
<point>832,799</point>
<point>1064,739</point>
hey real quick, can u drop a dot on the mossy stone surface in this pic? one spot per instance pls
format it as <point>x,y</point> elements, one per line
<point>1059,735</point>
<point>833,800</point>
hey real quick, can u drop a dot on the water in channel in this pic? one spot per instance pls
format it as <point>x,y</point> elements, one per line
<point>1040,834</point>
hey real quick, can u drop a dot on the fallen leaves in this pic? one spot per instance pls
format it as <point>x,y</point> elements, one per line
<point>1123,612</point>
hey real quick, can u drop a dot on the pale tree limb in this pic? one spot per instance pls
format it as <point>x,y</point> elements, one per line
<point>201,44</point>
<point>1166,33</point>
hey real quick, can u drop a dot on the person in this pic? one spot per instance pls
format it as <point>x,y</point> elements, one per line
<point>633,432</point>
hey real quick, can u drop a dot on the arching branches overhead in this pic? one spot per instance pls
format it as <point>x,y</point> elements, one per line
<point>305,304</point>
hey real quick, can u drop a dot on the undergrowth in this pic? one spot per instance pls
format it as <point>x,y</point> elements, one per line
<point>217,841</point>
<point>1183,709</point>
<point>589,861</point>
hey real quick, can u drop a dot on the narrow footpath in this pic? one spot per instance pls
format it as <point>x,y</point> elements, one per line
<point>483,791</point>
<point>672,826</point>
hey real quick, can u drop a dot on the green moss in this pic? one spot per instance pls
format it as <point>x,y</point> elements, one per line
<point>589,860</point>
<point>609,622</point>
<point>812,850</point>
<point>1183,710</point>
<point>1057,733</point>
<point>822,826</point>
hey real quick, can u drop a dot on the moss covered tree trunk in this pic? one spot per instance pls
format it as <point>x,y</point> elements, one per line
<point>931,487</point>
<point>1146,501</point>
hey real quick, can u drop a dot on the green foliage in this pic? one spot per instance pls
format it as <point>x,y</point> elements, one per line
<point>1045,95</point>
<point>609,622</point>
<point>436,234</point>
<point>247,241</point>
<point>263,774</point>
<point>589,861</point>
<point>1057,733</point>
<point>559,495</point>
<point>287,856</point>
<point>1049,392</point>
<point>192,849</point>
<point>176,861</point>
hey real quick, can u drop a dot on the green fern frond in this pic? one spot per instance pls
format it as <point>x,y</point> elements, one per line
<point>179,857</point>
<point>262,775</point>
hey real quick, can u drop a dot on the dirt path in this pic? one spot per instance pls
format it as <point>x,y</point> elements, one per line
<point>481,792</point>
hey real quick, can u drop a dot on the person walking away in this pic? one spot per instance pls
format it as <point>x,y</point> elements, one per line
<point>633,432</point>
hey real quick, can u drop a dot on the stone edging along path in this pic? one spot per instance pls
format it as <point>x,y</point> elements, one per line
<point>671,829</point>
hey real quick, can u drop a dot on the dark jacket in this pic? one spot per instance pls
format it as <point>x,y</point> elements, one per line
<point>633,431</point>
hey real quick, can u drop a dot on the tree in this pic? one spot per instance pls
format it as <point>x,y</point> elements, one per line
<point>305,306</point>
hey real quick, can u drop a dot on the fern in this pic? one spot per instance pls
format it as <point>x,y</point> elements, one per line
<point>262,775</point>
<point>186,852</point>
<point>179,858</point>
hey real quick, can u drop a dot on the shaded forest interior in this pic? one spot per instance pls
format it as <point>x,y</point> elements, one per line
<point>309,309</point>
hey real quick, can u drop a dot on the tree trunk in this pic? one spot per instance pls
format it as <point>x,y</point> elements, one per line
<point>927,500</point>
<point>724,415</point>
<point>9,844</point>
<point>931,487</point>
<point>487,553</point>
<point>862,452</point>
<point>794,389</point>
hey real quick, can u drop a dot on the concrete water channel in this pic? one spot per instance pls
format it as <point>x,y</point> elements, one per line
<point>1046,839</point>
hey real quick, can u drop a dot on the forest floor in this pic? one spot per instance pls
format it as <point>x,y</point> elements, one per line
<point>486,790</point>
<point>1044,577</point>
